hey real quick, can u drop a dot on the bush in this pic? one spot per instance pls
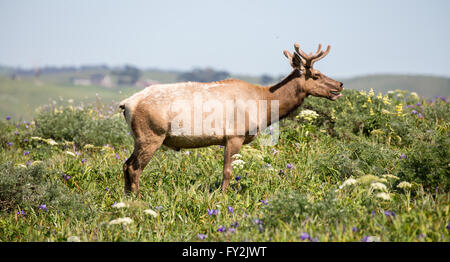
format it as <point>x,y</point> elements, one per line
<point>82,126</point>
<point>30,187</point>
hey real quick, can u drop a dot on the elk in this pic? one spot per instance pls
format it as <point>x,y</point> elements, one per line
<point>151,116</point>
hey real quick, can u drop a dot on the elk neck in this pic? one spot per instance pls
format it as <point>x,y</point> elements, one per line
<point>288,92</point>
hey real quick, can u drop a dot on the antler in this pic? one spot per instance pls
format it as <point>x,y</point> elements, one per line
<point>311,59</point>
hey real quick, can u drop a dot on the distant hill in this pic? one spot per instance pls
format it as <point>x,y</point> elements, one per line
<point>427,86</point>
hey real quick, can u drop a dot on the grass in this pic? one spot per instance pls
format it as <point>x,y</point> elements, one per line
<point>271,201</point>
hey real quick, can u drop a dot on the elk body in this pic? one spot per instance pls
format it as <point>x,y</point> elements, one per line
<point>152,112</point>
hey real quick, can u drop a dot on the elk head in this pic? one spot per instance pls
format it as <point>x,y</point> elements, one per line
<point>312,81</point>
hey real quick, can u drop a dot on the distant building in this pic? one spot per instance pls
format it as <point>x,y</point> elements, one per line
<point>95,79</point>
<point>146,82</point>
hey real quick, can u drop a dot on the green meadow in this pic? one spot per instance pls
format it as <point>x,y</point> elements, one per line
<point>368,167</point>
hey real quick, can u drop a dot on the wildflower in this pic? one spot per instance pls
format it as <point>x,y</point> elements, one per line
<point>448,227</point>
<point>237,178</point>
<point>21,213</point>
<point>371,111</point>
<point>355,229</point>
<point>348,182</point>
<point>151,212</point>
<point>378,186</point>
<point>106,189</point>
<point>403,156</point>
<point>28,163</point>
<point>187,152</point>
<point>230,209</point>
<point>308,115</point>
<point>235,224</point>
<point>404,185</point>
<point>371,92</point>
<point>264,201</point>
<point>373,213</point>
<point>66,177</point>
<point>390,176</point>
<point>10,144</point>
<point>238,163</point>
<point>26,153</point>
<point>414,112</point>
<point>8,118</point>
<point>70,153</point>
<point>212,212</point>
<point>117,156</point>
<point>369,100</point>
<point>202,236</point>
<point>289,166</point>
<point>124,221</point>
<point>384,196</point>
<point>231,230</point>
<point>73,239</point>
<point>380,95</point>
<point>221,229</point>
<point>418,104</point>
<point>43,207</point>
<point>399,109</point>
<point>120,205</point>
<point>371,239</point>
<point>305,236</point>
<point>419,115</point>
<point>274,151</point>
<point>362,92</point>
<point>281,172</point>
<point>386,100</point>
<point>83,160</point>
<point>269,166</point>
<point>389,213</point>
<point>237,156</point>
<point>51,142</point>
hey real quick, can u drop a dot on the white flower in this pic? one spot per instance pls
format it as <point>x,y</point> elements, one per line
<point>51,142</point>
<point>404,185</point>
<point>238,163</point>
<point>70,153</point>
<point>378,186</point>
<point>237,156</point>
<point>73,239</point>
<point>122,220</point>
<point>390,176</point>
<point>151,212</point>
<point>384,196</point>
<point>348,182</point>
<point>120,205</point>
<point>308,115</point>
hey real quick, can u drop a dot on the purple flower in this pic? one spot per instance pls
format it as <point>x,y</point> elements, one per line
<point>231,230</point>
<point>117,156</point>
<point>26,153</point>
<point>274,151</point>
<point>355,229</point>
<point>237,178</point>
<point>236,224</point>
<point>389,213</point>
<point>281,172</point>
<point>305,236</point>
<point>403,156</point>
<point>448,227</point>
<point>10,144</point>
<point>28,163</point>
<point>414,112</point>
<point>419,115</point>
<point>365,239</point>
<point>202,236</point>
<point>66,177</point>
<point>444,99</point>
<point>83,160</point>
<point>264,201</point>
<point>212,212</point>
<point>21,213</point>
<point>8,118</point>
<point>418,104</point>
<point>221,229</point>
<point>373,213</point>
<point>289,166</point>
<point>230,209</point>
<point>25,140</point>
<point>106,189</point>
<point>16,133</point>
<point>43,207</point>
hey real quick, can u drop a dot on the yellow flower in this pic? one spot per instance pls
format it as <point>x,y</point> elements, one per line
<point>379,96</point>
<point>369,100</point>
<point>371,112</point>
<point>371,92</point>
<point>386,100</point>
<point>399,109</point>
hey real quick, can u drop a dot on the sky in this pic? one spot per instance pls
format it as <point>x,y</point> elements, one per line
<point>242,37</point>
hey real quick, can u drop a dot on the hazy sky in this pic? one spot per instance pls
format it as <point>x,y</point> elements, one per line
<point>366,37</point>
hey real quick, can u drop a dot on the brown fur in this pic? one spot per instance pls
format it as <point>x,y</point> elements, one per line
<point>149,116</point>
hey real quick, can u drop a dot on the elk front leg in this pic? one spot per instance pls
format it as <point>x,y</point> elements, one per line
<point>232,147</point>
